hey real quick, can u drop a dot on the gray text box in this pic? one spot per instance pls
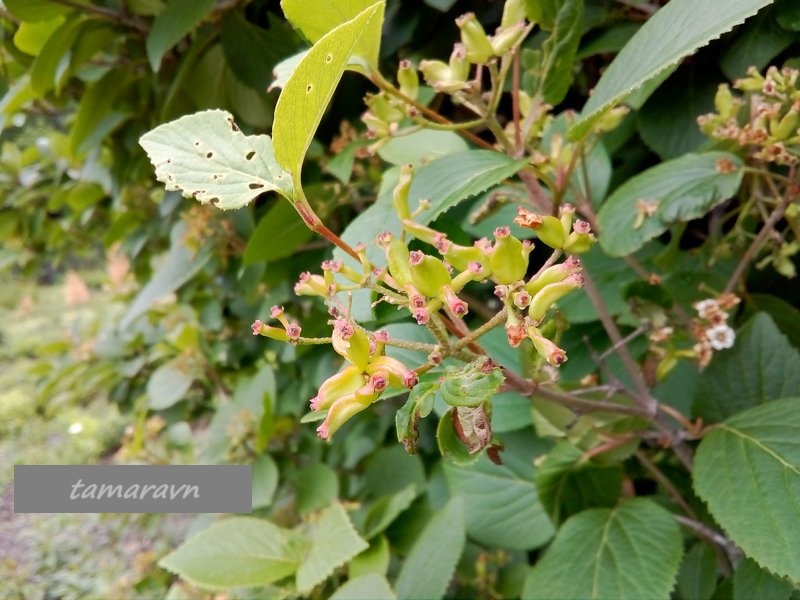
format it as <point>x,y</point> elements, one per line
<point>133,488</point>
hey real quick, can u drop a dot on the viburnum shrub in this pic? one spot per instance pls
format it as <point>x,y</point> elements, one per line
<point>414,301</point>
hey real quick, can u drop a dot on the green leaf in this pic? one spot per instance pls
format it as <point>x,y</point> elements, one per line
<point>543,12</point>
<point>51,58</point>
<point>31,37</point>
<point>748,472</point>
<point>386,509</point>
<point>449,180</point>
<point>788,14</point>
<point>674,32</point>
<point>391,470</point>
<point>785,315</point>
<point>102,109</point>
<point>368,587</point>
<point>168,384</point>
<point>279,233</point>
<point>678,190</point>
<point>172,24</point>
<point>470,385</point>
<point>418,406</point>
<point>334,541</point>
<point>374,559</point>
<point>235,552</point>
<point>559,51</point>
<point>502,507</point>
<point>427,570</point>
<point>761,366</point>
<point>329,14</point>
<point>206,157</point>
<point>253,52</point>
<point>265,481</point>
<point>316,486</point>
<point>178,265</point>
<point>421,147</point>
<point>631,552</point>
<point>697,578</point>
<point>284,69</point>
<point>310,87</point>
<point>567,485</point>
<point>36,10</point>
<point>756,44</point>
<point>668,121</point>
<point>751,581</point>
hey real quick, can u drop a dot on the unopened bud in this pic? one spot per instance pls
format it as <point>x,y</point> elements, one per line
<point>549,294</point>
<point>513,12</point>
<point>546,348</point>
<point>345,408</point>
<point>400,193</point>
<point>408,79</point>
<point>345,382</point>
<point>474,38</point>
<point>521,299</point>
<point>428,273</point>
<point>507,37</point>
<point>509,258</point>
<point>393,369</point>
<point>457,306</point>
<point>410,379</point>
<point>553,274</point>
<point>351,342</point>
<point>551,232</point>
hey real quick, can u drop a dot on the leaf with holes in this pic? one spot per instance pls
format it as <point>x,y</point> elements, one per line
<point>748,472</point>
<point>629,552</point>
<point>674,32</point>
<point>310,87</point>
<point>326,15</point>
<point>206,157</point>
<point>646,205</point>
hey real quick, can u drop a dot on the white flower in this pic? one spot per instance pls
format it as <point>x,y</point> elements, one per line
<point>75,428</point>
<point>720,337</point>
<point>707,308</point>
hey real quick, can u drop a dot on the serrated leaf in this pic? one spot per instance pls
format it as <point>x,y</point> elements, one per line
<point>334,541</point>
<point>427,570</point>
<point>678,190</point>
<point>470,385</point>
<point>368,587</point>
<point>747,470</point>
<point>631,552</point>
<point>674,32</point>
<point>567,484</point>
<point>502,507</point>
<point>374,559</point>
<point>168,384</point>
<point>177,19</point>
<point>328,14</point>
<point>206,157</point>
<point>449,180</point>
<point>751,581</point>
<point>310,87</point>
<point>761,366</point>
<point>236,552</point>
<point>279,233</point>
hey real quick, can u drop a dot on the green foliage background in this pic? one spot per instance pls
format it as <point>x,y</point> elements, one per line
<point>160,366</point>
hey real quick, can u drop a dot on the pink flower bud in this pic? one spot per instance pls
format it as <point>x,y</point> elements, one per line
<point>581,227</point>
<point>256,327</point>
<point>456,305</point>
<point>381,336</point>
<point>415,257</point>
<point>475,267</point>
<point>276,312</point>
<point>410,379</point>
<point>384,239</point>
<point>502,232</point>
<point>379,381</point>
<point>293,331</point>
<point>344,328</point>
<point>526,218</point>
<point>501,291</point>
<point>417,301</point>
<point>521,299</point>
<point>441,243</point>
<point>421,315</point>
<point>515,334</point>
<point>332,265</point>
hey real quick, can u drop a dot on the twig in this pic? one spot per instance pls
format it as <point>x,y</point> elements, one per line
<point>756,244</point>
<point>733,554</point>
<point>475,334</point>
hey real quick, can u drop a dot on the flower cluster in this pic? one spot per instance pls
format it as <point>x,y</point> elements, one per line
<point>429,284</point>
<point>711,330</point>
<point>770,123</point>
